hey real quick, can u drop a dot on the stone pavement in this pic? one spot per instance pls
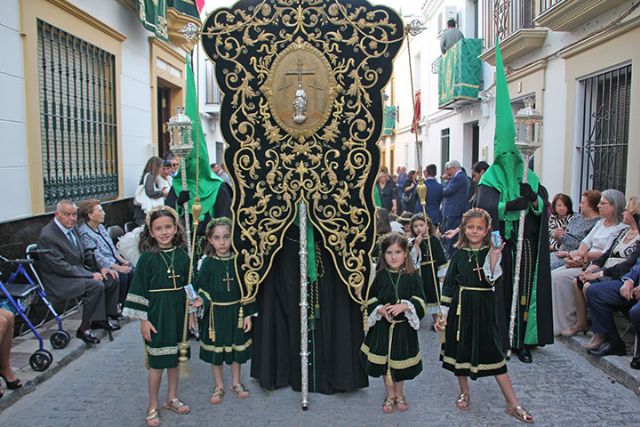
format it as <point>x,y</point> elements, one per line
<point>107,384</point>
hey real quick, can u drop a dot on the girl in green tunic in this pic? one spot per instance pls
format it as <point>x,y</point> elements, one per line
<point>395,305</point>
<point>226,316</point>
<point>471,348</point>
<point>158,299</point>
<point>430,255</point>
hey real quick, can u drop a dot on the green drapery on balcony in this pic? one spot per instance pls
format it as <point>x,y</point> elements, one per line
<point>389,120</point>
<point>459,74</point>
<point>154,14</point>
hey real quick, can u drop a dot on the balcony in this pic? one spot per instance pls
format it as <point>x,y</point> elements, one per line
<point>459,74</point>
<point>518,35</point>
<point>567,15</point>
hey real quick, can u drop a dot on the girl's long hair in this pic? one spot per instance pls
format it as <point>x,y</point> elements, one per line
<point>215,222</point>
<point>427,220</point>
<point>463,242</point>
<point>391,239</point>
<point>148,243</point>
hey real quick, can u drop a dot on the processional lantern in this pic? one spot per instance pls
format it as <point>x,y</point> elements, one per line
<point>528,123</point>
<point>181,144</point>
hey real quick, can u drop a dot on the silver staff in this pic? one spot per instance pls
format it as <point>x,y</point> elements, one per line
<point>528,139</point>
<point>304,314</point>
<point>179,128</point>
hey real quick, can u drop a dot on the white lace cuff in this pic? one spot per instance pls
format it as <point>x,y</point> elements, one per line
<point>415,257</point>
<point>492,276</point>
<point>375,316</point>
<point>134,314</point>
<point>411,315</point>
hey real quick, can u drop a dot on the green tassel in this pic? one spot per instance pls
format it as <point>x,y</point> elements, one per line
<point>316,311</point>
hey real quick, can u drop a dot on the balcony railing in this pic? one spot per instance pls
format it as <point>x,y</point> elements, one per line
<point>515,15</point>
<point>547,4</point>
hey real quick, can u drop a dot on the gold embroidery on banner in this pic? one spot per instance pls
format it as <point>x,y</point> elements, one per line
<point>302,149</point>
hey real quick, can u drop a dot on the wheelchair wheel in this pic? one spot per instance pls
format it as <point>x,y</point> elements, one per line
<point>59,339</point>
<point>40,360</point>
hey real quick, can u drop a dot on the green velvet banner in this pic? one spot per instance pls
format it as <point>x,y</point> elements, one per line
<point>459,73</point>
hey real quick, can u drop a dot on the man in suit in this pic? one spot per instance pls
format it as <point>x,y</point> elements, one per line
<point>455,200</point>
<point>66,275</point>
<point>434,195</point>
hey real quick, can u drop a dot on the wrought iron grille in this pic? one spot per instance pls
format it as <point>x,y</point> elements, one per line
<point>504,17</point>
<point>547,4</point>
<point>605,130</point>
<point>77,117</point>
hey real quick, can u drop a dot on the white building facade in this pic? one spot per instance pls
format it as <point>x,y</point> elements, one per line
<point>86,91</point>
<point>576,59</point>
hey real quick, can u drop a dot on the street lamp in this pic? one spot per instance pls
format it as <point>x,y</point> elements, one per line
<point>179,127</point>
<point>528,123</point>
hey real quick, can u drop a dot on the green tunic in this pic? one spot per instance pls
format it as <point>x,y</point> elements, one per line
<point>471,346</point>
<point>221,340</point>
<point>431,289</point>
<point>405,360</point>
<point>154,297</point>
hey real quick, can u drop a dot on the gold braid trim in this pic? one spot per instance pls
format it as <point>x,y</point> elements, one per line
<point>226,348</point>
<point>393,364</point>
<point>473,368</point>
<point>446,299</point>
<point>161,351</point>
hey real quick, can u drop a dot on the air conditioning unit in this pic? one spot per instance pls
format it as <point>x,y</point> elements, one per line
<point>449,12</point>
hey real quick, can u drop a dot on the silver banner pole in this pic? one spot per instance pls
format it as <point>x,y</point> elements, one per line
<point>304,313</point>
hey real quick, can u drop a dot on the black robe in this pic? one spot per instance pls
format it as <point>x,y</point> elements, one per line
<point>536,232</point>
<point>334,345</point>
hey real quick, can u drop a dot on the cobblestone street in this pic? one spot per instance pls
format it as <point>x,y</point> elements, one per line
<point>107,384</point>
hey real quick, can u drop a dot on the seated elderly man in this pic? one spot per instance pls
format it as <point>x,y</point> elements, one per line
<point>603,299</point>
<point>66,275</point>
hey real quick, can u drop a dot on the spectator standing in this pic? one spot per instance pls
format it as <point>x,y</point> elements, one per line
<point>149,179</point>
<point>409,196</point>
<point>218,170</point>
<point>450,36</point>
<point>434,195</point>
<point>387,191</point>
<point>455,200</point>
<point>401,178</point>
<point>476,173</point>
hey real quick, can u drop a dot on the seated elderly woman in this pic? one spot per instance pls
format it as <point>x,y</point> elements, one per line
<point>6,337</point>
<point>561,213</point>
<point>95,235</point>
<point>606,298</point>
<point>569,238</point>
<point>612,264</point>
<point>611,206</point>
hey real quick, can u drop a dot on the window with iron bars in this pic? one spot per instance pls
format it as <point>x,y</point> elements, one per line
<point>604,138</point>
<point>77,117</point>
